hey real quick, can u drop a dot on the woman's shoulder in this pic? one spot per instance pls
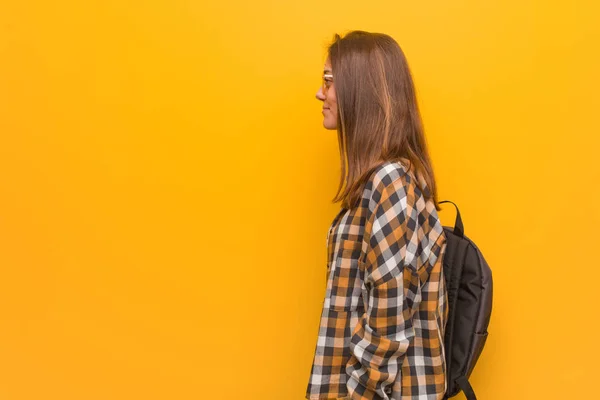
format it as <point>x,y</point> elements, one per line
<point>389,173</point>
<point>383,178</point>
<point>394,177</point>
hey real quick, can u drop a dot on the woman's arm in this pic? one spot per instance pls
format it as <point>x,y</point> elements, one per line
<point>386,329</point>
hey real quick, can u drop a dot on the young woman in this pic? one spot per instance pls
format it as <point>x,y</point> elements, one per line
<point>381,331</point>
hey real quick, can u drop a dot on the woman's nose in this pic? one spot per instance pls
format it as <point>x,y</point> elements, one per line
<point>320,95</point>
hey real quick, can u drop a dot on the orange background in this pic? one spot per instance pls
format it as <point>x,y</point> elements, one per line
<point>165,187</point>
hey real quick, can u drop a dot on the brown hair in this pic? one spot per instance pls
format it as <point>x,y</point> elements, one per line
<point>378,115</point>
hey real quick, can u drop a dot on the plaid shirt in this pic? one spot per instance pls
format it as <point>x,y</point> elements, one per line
<point>384,314</point>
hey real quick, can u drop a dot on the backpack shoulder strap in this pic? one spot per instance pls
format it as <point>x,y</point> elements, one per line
<point>466,387</point>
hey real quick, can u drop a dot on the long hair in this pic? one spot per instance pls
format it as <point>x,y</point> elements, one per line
<point>378,115</point>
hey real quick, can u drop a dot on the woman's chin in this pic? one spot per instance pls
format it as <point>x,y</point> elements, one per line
<point>328,125</point>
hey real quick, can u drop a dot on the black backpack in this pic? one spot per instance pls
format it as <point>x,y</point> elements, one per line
<point>469,283</point>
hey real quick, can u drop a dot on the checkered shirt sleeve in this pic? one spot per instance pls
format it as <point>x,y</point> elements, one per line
<point>382,325</point>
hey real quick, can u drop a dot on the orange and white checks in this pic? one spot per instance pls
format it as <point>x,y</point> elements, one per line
<point>382,325</point>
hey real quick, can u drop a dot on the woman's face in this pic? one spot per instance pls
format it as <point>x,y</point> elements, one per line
<point>326,94</point>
